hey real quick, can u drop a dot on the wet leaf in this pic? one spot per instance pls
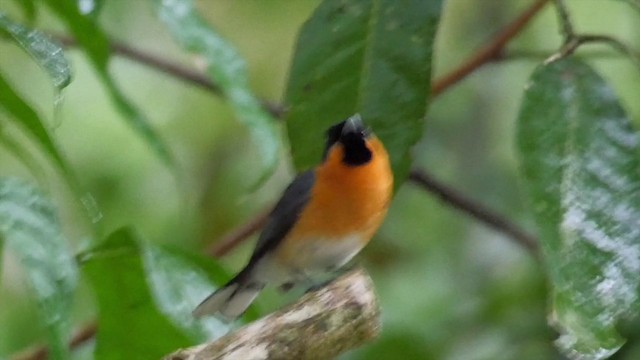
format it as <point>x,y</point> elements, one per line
<point>151,291</point>
<point>30,229</point>
<point>96,46</point>
<point>46,52</point>
<point>179,283</point>
<point>24,115</point>
<point>581,160</point>
<point>371,57</point>
<point>227,69</point>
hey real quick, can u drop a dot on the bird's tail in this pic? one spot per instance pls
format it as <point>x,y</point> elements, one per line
<point>231,300</point>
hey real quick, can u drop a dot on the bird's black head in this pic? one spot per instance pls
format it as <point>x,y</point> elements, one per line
<point>352,135</point>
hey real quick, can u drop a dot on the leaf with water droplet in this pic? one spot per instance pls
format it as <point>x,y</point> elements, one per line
<point>44,50</point>
<point>30,229</point>
<point>580,156</point>
<point>367,57</point>
<point>227,69</point>
<point>155,288</point>
<point>94,43</point>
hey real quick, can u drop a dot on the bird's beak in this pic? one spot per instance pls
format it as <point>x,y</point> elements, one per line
<point>353,125</point>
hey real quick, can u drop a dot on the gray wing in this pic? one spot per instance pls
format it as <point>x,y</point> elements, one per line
<point>285,214</point>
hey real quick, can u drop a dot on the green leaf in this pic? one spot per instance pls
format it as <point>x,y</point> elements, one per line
<point>371,57</point>
<point>14,105</point>
<point>581,160</point>
<point>46,52</point>
<point>95,44</point>
<point>31,230</point>
<point>151,292</point>
<point>179,283</point>
<point>225,68</point>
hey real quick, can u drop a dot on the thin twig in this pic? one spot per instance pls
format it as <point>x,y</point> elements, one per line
<point>491,52</point>
<point>473,208</point>
<point>238,235</point>
<point>540,55</point>
<point>572,40</point>
<point>566,25</point>
<point>83,335</point>
<point>168,67</point>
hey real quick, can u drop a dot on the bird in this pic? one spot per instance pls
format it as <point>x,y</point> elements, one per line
<point>323,219</point>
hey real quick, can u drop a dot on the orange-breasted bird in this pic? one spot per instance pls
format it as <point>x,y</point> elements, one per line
<point>324,218</point>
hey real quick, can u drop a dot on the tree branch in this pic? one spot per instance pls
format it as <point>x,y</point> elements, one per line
<point>566,25</point>
<point>321,325</point>
<point>83,335</point>
<point>490,52</point>
<point>238,235</point>
<point>169,67</point>
<point>475,209</point>
<point>573,40</point>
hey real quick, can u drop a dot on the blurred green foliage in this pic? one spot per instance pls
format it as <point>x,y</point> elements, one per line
<point>450,288</point>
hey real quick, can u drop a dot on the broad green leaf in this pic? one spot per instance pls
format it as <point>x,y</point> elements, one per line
<point>131,327</point>
<point>30,228</point>
<point>23,114</point>
<point>95,44</point>
<point>227,69</point>
<point>581,160</point>
<point>179,283</point>
<point>371,57</point>
<point>46,52</point>
<point>149,290</point>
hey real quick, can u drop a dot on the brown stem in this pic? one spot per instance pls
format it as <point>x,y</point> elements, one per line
<point>578,40</point>
<point>473,208</point>
<point>566,25</point>
<point>168,67</point>
<point>238,235</point>
<point>83,335</point>
<point>490,52</point>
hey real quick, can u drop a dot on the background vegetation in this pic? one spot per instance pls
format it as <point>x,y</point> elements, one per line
<point>123,165</point>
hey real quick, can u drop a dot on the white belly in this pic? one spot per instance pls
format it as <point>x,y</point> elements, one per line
<point>322,255</point>
<point>313,257</point>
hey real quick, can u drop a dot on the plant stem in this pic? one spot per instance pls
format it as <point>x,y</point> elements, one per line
<point>492,51</point>
<point>566,25</point>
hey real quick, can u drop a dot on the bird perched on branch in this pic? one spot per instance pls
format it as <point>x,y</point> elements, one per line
<point>324,218</point>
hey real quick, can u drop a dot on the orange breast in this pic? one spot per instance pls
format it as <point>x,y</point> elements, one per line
<point>345,200</point>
